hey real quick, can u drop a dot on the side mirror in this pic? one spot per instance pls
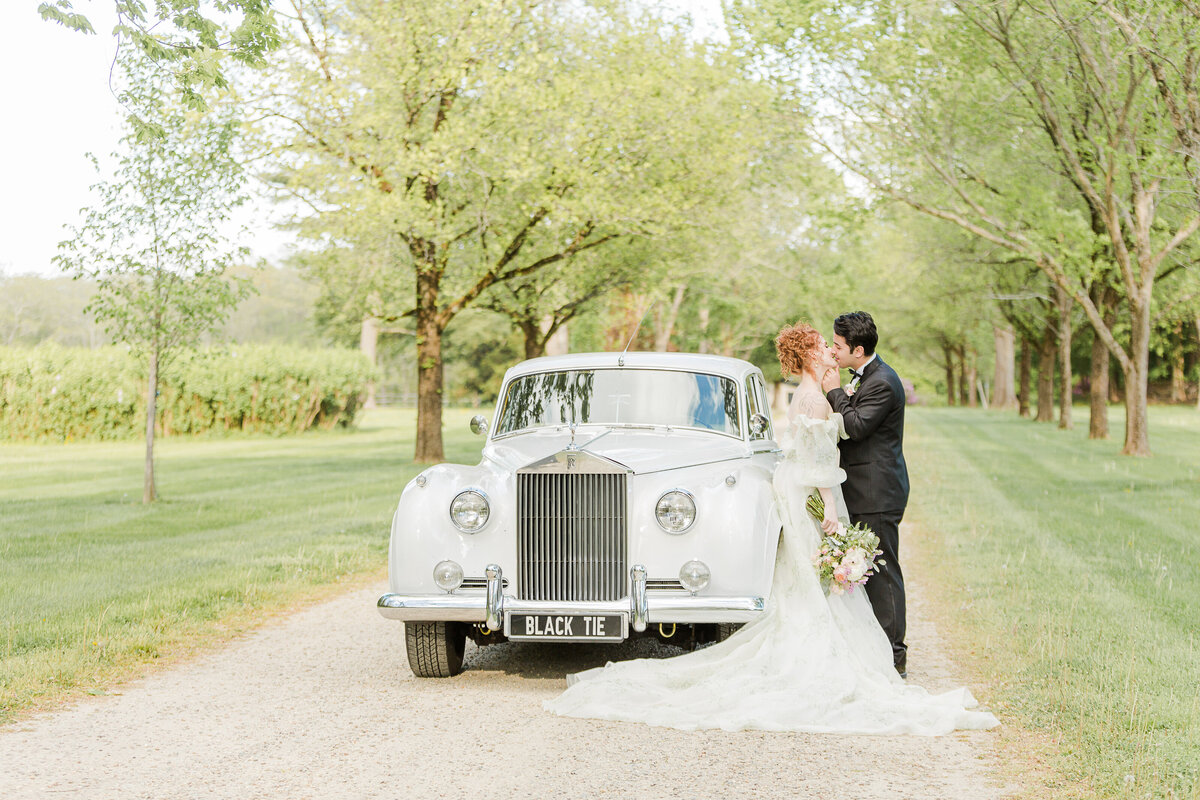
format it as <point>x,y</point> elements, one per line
<point>479,425</point>
<point>759,424</point>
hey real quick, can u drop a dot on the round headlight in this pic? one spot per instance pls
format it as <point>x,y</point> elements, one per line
<point>448,575</point>
<point>676,511</point>
<point>469,511</point>
<point>694,576</point>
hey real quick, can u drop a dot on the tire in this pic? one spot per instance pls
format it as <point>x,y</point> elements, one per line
<point>726,629</point>
<point>435,649</point>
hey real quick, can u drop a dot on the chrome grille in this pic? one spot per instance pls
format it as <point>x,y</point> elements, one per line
<point>571,536</point>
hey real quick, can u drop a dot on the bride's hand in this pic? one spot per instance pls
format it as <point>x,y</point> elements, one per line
<point>830,523</point>
<point>830,380</point>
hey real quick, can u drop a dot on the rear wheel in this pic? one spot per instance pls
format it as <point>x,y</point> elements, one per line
<point>435,649</point>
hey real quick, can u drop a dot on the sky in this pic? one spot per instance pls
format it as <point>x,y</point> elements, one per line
<point>56,107</point>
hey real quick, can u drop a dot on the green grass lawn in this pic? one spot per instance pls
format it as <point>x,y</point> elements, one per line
<point>1075,574</point>
<point>93,584</point>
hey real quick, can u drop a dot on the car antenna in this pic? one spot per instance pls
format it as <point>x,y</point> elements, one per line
<point>621,359</point>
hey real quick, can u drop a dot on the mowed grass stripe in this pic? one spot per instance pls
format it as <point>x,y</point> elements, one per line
<point>94,585</point>
<point>1078,574</point>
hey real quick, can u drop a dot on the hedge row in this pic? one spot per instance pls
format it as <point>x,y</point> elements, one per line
<point>58,393</point>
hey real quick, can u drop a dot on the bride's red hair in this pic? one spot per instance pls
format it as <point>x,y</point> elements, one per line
<point>796,346</point>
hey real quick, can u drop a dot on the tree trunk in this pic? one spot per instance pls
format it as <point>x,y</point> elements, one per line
<point>726,340</point>
<point>948,354</point>
<point>704,312</point>
<point>1047,351</point>
<point>1003,384</point>
<point>557,342</point>
<point>1098,391</point>
<point>149,495</point>
<point>535,344</point>
<point>972,368</point>
<point>1066,377</point>
<point>368,343</point>
<point>662,340</point>
<point>1198,388</point>
<point>429,370</point>
<point>1104,298</point>
<point>1026,375</point>
<point>964,388</point>
<point>1178,376</point>
<point>1137,424</point>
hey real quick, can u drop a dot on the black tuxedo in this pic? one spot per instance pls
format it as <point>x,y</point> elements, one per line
<point>876,487</point>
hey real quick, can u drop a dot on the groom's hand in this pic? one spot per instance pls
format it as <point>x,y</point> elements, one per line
<point>830,381</point>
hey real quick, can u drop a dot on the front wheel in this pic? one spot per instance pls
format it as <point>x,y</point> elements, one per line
<point>435,649</point>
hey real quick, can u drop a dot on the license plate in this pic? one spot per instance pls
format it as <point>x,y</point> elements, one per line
<point>567,627</point>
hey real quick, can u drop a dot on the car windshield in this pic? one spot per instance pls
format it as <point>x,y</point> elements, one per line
<point>621,397</point>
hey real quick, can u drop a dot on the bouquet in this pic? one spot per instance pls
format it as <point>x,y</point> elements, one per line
<point>846,557</point>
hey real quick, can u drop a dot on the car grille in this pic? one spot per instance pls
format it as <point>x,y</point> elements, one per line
<point>571,536</point>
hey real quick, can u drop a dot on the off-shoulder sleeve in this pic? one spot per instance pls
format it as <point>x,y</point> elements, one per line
<point>814,451</point>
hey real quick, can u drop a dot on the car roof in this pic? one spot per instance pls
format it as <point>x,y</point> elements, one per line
<point>692,362</point>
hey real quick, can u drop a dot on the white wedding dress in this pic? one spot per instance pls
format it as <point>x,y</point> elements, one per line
<point>809,663</point>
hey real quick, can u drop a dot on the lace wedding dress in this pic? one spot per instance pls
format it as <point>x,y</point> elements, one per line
<point>809,663</point>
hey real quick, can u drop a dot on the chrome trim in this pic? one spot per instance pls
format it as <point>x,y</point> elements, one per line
<point>479,425</point>
<point>660,608</point>
<point>495,597</point>
<point>664,585</point>
<point>695,508</point>
<point>575,462</point>
<point>487,501</point>
<point>432,608</point>
<point>703,608</point>
<point>479,583</point>
<point>637,596</point>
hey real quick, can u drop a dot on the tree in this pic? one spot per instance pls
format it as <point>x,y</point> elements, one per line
<point>1030,124</point>
<point>153,244</point>
<point>491,139</point>
<point>189,37</point>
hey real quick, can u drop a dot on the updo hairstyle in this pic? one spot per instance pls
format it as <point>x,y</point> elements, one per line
<point>797,346</point>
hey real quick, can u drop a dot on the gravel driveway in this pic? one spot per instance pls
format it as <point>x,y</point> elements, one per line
<point>322,705</point>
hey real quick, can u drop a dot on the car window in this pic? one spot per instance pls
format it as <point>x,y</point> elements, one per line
<point>759,404</point>
<point>621,397</point>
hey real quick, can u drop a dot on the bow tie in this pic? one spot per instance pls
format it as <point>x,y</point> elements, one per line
<point>856,375</point>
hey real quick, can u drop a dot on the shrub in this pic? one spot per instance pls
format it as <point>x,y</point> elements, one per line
<point>58,393</point>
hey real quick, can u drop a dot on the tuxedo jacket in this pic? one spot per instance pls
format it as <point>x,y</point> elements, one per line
<point>873,456</point>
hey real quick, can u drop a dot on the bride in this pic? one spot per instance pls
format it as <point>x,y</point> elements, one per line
<point>810,662</point>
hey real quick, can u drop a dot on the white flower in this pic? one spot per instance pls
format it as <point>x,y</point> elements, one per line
<point>855,563</point>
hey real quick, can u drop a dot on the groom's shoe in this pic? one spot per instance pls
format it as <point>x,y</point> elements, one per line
<point>902,668</point>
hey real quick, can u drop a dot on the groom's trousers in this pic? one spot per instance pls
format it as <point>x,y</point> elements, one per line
<point>885,588</point>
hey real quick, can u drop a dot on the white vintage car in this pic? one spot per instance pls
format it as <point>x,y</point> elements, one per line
<point>618,495</point>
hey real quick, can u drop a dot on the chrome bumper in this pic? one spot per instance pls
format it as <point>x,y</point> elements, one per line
<point>642,607</point>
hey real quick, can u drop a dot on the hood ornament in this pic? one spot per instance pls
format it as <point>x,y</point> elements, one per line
<point>572,445</point>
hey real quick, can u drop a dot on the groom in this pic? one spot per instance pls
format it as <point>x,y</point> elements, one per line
<point>876,487</point>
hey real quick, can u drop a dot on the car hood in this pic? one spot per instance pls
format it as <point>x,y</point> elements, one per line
<point>640,450</point>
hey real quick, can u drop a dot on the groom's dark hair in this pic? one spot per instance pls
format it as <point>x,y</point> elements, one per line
<point>857,328</point>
